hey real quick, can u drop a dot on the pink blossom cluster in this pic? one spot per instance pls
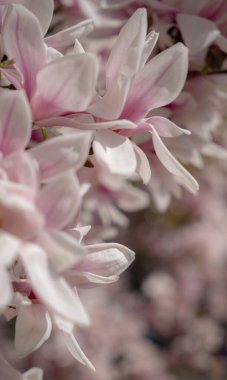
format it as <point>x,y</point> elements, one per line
<point>97,119</point>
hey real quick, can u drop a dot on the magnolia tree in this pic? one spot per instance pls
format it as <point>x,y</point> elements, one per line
<point>102,104</point>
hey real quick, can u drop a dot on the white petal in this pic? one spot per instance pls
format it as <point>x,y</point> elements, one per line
<point>114,152</point>
<point>143,166</point>
<point>6,291</point>
<point>221,41</point>
<point>52,289</point>
<point>9,248</point>
<point>165,127</point>
<point>172,165</point>
<point>76,351</point>
<point>63,250</point>
<point>110,106</point>
<point>88,280</point>
<point>149,45</point>
<point>107,259</point>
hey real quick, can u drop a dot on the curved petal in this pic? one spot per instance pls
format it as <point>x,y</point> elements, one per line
<point>76,351</point>
<point>15,121</point>
<point>143,166</point>
<point>9,249</point>
<point>107,259</point>
<point>22,169</point>
<point>87,126</point>
<point>66,38</point>
<point>59,201</point>
<point>52,289</point>
<point>110,106</point>
<point>87,280</point>
<point>71,91</point>
<point>63,250</point>
<point>62,153</point>
<point>23,41</point>
<point>165,127</point>
<point>43,10</point>
<point>6,291</point>
<point>123,63</point>
<point>158,83</point>
<point>126,54</point>
<point>172,165</point>
<point>149,45</point>
<point>33,328</point>
<point>131,198</point>
<point>198,33</point>
<point>115,153</point>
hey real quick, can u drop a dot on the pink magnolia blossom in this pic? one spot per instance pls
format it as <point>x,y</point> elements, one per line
<point>127,82</point>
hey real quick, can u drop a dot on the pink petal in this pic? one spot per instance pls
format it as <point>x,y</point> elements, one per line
<point>158,83</point>
<point>15,121</point>
<point>21,168</point>
<point>110,106</point>
<point>59,201</point>
<point>33,328</point>
<point>114,152</point>
<point>126,53</point>
<point>62,153</point>
<point>72,91</point>
<point>22,37</point>
<point>123,63</point>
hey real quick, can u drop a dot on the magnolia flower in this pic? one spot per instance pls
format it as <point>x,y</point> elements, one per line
<point>133,89</point>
